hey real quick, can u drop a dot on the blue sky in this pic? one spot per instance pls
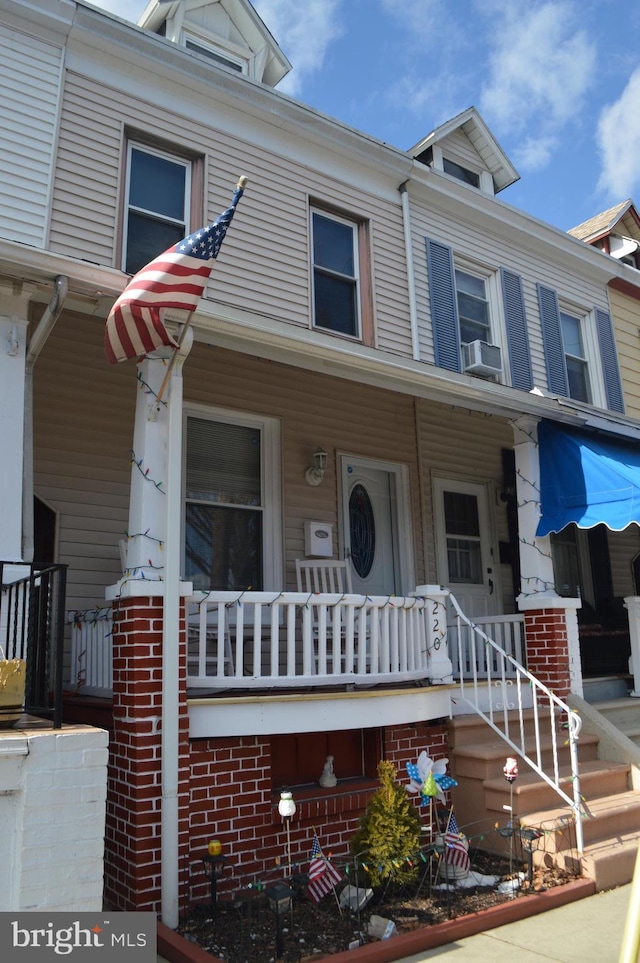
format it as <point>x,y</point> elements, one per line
<point>557,81</point>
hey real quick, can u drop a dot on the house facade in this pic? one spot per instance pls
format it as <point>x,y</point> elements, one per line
<point>364,379</point>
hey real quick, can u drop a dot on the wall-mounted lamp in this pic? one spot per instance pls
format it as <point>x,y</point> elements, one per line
<point>315,474</point>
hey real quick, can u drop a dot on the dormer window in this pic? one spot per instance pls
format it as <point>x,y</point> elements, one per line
<point>214,52</point>
<point>461,173</point>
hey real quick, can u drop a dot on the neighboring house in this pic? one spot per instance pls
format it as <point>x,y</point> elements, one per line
<point>379,341</point>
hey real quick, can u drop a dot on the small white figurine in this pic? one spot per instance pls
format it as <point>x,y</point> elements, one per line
<point>328,777</point>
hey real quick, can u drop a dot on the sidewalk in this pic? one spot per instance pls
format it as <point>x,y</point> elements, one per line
<point>587,931</point>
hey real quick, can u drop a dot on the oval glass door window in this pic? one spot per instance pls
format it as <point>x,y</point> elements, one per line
<point>362,526</point>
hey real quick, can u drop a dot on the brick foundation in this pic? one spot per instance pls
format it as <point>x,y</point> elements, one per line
<point>547,644</point>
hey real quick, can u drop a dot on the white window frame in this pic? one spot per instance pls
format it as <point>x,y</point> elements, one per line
<point>355,229</point>
<point>497,323</point>
<point>591,348</point>
<point>270,481</point>
<point>174,159</point>
<point>486,185</point>
<point>226,51</point>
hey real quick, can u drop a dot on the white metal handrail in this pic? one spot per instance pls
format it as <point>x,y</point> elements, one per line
<point>91,665</point>
<point>506,630</point>
<point>504,674</point>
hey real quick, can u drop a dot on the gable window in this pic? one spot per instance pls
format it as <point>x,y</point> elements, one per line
<point>473,308</point>
<point>158,197</point>
<point>336,288</point>
<point>231,499</point>
<point>575,358</point>
<point>215,54</point>
<point>460,173</point>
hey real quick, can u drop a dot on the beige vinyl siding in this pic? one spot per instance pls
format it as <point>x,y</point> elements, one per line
<point>625,312</point>
<point>464,445</point>
<point>29,88</point>
<point>459,148</point>
<point>623,547</point>
<point>479,245</point>
<point>83,417</point>
<point>263,266</point>
<point>314,409</point>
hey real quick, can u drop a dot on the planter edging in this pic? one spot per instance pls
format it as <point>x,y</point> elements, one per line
<point>176,949</point>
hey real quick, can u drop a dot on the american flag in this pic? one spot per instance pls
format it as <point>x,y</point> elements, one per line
<point>173,280</point>
<point>322,875</point>
<point>456,847</point>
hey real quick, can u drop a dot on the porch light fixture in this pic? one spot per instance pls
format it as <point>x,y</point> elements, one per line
<point>315,474</point>
<point>279,896</point>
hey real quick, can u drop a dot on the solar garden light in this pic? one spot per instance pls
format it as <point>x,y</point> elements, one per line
<point>279,896</point>
<point>287,808</point>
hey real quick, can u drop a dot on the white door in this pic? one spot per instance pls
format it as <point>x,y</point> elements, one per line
<point>373,525</point>
<point>465,556</point>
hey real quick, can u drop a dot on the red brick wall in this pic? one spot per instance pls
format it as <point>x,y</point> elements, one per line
<point>231,800</point>
<point>548,648</point>
<point>132,840</point>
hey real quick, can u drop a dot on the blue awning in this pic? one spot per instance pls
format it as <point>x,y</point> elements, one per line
<point>586,478</point>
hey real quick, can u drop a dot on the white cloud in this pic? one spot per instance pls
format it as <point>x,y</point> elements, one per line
<point>304,31</point>
<point>619,142</point>
<point>534,153</point>
<point>539,70</point>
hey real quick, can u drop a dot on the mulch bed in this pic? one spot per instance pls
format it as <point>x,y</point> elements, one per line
<point>244,930</point>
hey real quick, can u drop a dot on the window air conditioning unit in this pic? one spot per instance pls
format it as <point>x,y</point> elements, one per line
<point>478,357</point>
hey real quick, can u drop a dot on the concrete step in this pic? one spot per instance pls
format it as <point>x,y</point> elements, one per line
<point>532,794</point>
<point>605,687</point>
<point>605,817</point>
<point>624,714</point>
<point>472,729</point>
<point>611,862</point>
<point>486,759</point>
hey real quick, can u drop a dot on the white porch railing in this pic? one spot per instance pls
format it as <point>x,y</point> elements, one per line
<point>553,720</point>
<point>254,640</point>
<point>91,665</point>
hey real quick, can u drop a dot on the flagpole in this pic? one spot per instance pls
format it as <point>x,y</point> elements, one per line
<point>240,186</point>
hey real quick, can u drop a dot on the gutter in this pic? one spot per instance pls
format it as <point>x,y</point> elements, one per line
<point>36,344</point>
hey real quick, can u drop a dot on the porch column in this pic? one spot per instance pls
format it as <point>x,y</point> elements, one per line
<point>149,671</point>
<point>632,605</point>
<point>551,623</point>
<point>13,337</point>
<point>439,664</point>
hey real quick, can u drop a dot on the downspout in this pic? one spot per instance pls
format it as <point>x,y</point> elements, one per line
<point>43,330</point>
<point>408,246</point>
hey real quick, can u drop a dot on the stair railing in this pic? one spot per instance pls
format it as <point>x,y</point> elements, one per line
<point>503,676</point>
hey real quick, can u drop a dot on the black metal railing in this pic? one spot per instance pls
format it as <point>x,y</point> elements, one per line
<point>32,609</point>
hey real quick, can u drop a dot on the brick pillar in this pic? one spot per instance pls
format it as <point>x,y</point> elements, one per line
<point>134,798</point>
<point>552,646</point>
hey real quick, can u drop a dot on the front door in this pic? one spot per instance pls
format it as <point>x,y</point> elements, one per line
<point>466,562</point>
<point>374,526</point>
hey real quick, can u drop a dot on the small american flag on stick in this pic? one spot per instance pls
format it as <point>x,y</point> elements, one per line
<point>456,847</point>
<point>323,877</point>
<point>175,280</point>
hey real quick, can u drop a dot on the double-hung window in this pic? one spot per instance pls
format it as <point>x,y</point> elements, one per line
<point>158,198</point>
<point>575,357</point>
<point>473,307</point>
<point>336,287</point>
<point>231,498</point>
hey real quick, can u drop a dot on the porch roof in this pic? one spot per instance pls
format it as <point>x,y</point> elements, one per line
<point>586,478</point>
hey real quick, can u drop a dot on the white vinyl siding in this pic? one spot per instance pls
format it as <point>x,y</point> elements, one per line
<point>29,94</point>
<point>624,311</point>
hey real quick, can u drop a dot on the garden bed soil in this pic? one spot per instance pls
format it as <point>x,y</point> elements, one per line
<point>243,930</point>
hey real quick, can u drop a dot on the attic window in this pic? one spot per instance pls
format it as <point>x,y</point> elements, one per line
<point>461,173</point>
<point>217,56</point>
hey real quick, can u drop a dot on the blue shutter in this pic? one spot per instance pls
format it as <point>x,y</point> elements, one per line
<point>609,360</point>
<point>557,381</point>
<point>517,335</point>
<point>444,305</point>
